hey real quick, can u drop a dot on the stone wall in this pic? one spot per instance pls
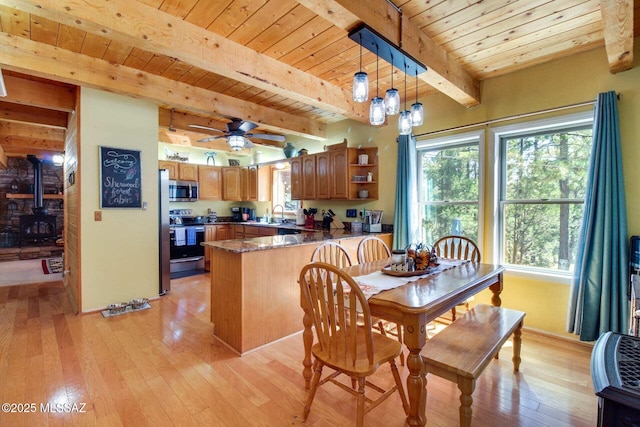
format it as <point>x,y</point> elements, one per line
<point>18,178</point>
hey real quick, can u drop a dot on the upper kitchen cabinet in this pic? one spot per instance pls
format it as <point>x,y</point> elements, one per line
<point>231,183</point>
<point>210,182</point>
<point>296,178</point>
<point>265,180</point>
<point>308,177</point>
<point>339,175</point>
<point>177,170</point>
<point>323,175</point>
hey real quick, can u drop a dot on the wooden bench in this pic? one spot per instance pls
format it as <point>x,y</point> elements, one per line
<point>463,349</point>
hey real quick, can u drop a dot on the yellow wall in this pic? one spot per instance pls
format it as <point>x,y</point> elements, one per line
<point>119,253</point>
<point>555,84</point>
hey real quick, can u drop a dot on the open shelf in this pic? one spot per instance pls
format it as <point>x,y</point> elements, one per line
<point>30,196</point>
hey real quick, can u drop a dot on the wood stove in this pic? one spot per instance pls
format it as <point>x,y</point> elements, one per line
<point>38,227</point>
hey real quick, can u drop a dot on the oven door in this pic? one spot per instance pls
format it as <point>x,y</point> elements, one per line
<point>186,251</point>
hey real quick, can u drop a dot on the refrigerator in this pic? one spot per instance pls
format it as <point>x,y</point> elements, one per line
<point>163,236</point>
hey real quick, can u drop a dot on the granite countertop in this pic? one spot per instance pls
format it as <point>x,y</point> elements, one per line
<point>274,242</point>
<point>287,225</point>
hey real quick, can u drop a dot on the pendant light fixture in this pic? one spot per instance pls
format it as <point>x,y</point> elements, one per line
<point>360,82</point>
<point>417,112</point>
<point>376,109</point>
<point>404,121</point>
<point>392,97</point>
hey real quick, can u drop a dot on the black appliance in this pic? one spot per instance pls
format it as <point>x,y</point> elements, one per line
<point>183,191</point>
<point>185,238</point>
<point>236,214</point>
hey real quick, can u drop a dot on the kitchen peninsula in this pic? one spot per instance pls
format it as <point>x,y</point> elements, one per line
<point>255,296</point>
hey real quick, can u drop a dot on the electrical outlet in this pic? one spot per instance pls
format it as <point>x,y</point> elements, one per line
<point>97,216</point>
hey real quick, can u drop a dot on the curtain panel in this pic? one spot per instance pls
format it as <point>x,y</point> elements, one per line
<point>598,299</point>
<point>405,221</point>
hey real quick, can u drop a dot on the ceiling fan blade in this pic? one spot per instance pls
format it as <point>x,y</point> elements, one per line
<point>206,128</point>
<point>211,138</point>
<point>248,144</point>
<point>267,136</point>
<point>247,126</point>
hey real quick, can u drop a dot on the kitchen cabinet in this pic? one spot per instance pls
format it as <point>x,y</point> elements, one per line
<point>179,170</point>
<point>296,178</point>
<point>172,167</point>
<point>265,180</point>
<point>214,232</point>
<point>339,172</point>
<point>210,182</point>
<point>231,183</point>
<point>308,177</point>
<point>188,171</point>
<point>323,175</point>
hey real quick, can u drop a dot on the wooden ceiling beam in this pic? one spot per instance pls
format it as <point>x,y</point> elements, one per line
<point>38,94</point>
<point>31,131</point>
<point>27,114</point>
<point>443,73</point>
<point>21,144</point>
<point>617,20</point>
<point>134,23</point>
<point>3,158</point>
<point>41,60</point>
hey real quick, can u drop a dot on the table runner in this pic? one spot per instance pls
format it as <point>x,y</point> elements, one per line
<point>376,282</point>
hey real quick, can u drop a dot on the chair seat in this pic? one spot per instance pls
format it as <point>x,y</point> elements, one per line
<point>385,349</point>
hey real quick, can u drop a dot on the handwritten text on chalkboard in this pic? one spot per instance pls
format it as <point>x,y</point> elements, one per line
<point>120,178</point>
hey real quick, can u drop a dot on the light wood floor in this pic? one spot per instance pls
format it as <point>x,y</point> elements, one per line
<point>161,367</point>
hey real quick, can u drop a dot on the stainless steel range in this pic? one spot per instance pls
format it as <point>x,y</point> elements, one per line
<point>186,233</point>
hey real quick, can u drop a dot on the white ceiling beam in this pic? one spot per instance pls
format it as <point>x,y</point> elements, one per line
<point>443,73</point>
<point>135,24</point>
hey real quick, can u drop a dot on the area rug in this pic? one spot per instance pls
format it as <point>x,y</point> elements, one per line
<point>52,265</point>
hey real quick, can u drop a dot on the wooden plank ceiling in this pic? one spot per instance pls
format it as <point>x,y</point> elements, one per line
<point>286,65</point>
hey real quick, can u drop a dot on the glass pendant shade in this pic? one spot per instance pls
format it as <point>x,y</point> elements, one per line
<point>376,111</point>
<point>417,114</point>
<point>404,123</point>
<point>236,142</point>
<point>392,101</point>
<point>360,87</point>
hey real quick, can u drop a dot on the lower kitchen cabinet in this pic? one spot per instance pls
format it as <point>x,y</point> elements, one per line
<point>214,232</point>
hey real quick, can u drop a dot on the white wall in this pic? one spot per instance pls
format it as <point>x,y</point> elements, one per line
<point>119,254</point>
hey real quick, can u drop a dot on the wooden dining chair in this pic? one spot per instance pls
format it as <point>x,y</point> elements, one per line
<point>370,249</point>
<point>332,253</point>
<point>457,247</point>
<point>343,344</point>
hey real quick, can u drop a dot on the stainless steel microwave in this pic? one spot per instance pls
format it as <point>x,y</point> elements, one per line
<point>183,191</point>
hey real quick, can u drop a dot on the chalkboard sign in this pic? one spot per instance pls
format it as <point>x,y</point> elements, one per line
<point>120,178</point>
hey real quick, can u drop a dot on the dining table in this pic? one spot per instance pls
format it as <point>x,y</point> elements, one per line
<point>414,301</point>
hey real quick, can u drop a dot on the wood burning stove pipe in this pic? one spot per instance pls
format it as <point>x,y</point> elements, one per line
<point>38,207</point>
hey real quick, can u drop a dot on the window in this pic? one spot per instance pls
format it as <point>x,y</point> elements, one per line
<point>543,177</point>
<point>449,187</point>
<point>282,191</point>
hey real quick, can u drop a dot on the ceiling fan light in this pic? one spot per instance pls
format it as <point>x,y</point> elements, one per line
<point>392,101</point>
<point>376,111</point>
<point>360,87</point>
<point>417,114</point>
<point>404,123</point>
<point>236,142</point>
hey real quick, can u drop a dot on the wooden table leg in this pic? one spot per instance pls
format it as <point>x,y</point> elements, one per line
<point>415,335</point>
<point>307,338</point>
<point>496,289</point>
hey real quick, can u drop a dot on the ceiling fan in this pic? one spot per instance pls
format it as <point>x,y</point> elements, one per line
<point>237,134</point>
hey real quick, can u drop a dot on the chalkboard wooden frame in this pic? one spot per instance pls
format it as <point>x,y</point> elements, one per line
<point>120,178</point>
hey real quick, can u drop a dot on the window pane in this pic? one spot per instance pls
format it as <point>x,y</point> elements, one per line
<point>282,190</point>
<point>541,235</point>
<point>450,174</point>
<point>449,219</point>
<point>547,166</point>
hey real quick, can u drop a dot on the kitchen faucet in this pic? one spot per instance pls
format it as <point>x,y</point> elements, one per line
<point>274,211</point>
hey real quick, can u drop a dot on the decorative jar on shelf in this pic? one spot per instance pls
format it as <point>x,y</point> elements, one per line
<point>289,150</point>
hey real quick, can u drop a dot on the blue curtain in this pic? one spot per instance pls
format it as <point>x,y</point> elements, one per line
<point>598,300</point>
<point>405,221</point>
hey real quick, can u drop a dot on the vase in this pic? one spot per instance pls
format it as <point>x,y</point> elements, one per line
<point>289,150</point>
